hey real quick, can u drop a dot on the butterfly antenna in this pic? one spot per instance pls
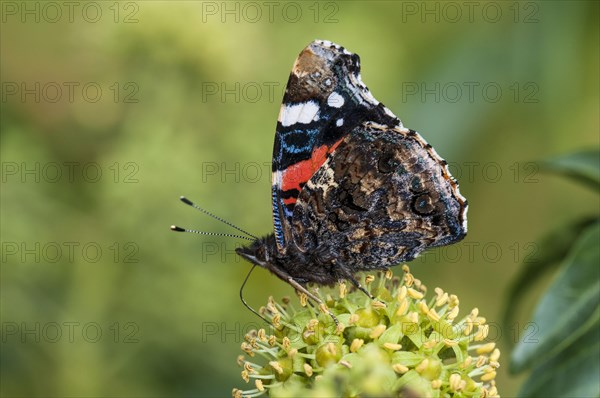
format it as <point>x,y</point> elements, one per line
<point>179,229</point>
<point>195,206</point>
<point>244,301</point>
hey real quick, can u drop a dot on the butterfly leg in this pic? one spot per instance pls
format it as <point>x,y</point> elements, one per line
<point>308,301</point>
<point>360,287</point>
<point>299,288</point>
<point>302,289</point>
<point>348,275</point>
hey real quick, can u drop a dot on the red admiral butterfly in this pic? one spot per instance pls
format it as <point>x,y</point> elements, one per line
<point>353,189</point>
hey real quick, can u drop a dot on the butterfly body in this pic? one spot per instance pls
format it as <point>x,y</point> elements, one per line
<point>353,189</point>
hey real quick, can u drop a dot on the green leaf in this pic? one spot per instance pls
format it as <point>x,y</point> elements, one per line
<point>552,250</point>
<point>583,166</point>
<point>568,308</point>
<point>572,373</point>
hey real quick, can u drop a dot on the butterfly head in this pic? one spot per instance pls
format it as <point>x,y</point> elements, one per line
<point>260,252</point>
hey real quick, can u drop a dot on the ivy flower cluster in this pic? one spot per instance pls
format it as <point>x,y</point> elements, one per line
<point>403,343</point>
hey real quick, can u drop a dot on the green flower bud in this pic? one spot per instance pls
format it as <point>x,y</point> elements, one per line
<point>282,368</point>
<point>328,353</point>
<point>367,317</point>
<point>311,334</point>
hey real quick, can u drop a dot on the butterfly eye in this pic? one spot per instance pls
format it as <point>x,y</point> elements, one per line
<point>423,204</point>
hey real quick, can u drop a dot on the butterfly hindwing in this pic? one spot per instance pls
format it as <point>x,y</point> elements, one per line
<point>324,101</point>
<point>382,198</point>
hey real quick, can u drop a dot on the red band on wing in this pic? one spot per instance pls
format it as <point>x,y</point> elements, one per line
<point>298,174</point>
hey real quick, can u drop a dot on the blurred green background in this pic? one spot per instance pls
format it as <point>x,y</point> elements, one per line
<point>111,110</point>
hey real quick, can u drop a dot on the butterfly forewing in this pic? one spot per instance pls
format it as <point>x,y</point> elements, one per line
<point>325,99</point>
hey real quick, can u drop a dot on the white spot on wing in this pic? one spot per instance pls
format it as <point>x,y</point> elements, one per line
<point>289,114</point>
<point>304,113</point>
<point>335,100</point>
<point>339,122</point>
